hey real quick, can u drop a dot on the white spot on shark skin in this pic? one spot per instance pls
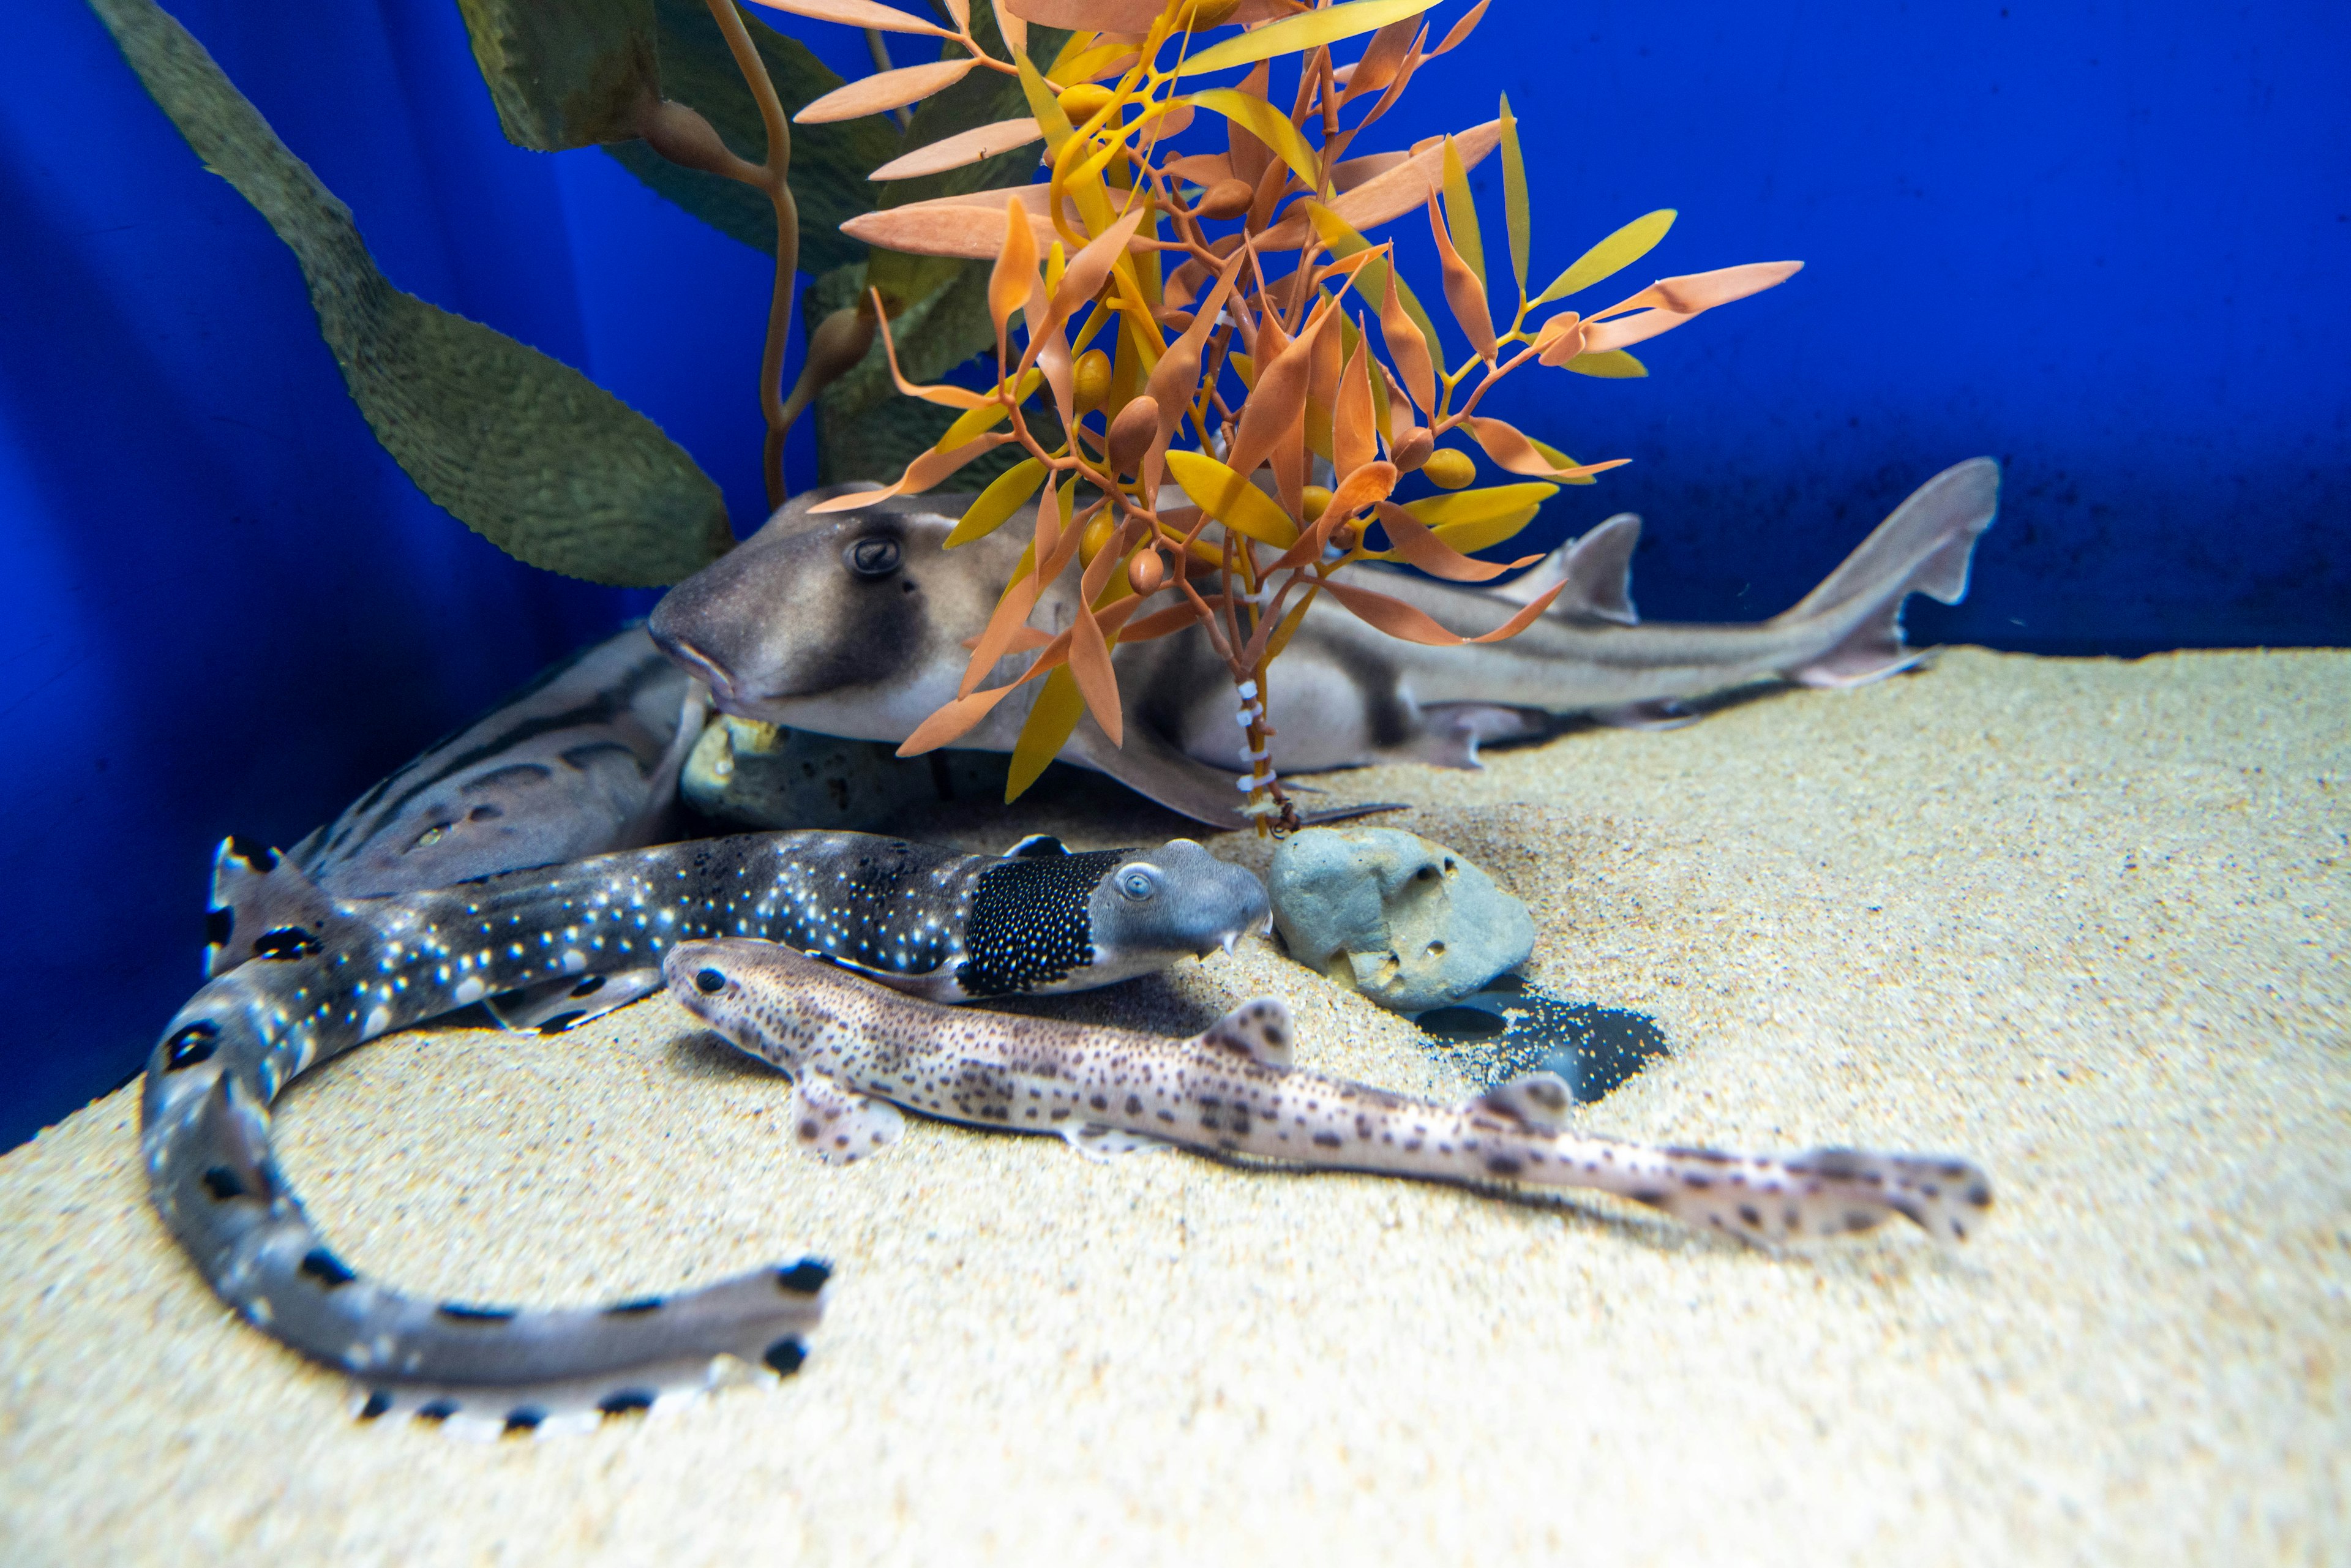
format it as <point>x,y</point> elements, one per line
<point>378,1020</point>
<point>469,991</point>
<point>574,960</point>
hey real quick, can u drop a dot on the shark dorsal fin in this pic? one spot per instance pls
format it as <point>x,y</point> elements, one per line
<point>263,905</point>
<point>1260,1030</point>
<point>1597,570</point>
<point>1539,1102</point>
<point>1037,845</point>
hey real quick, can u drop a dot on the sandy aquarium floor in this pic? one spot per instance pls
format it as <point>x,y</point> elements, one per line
<point>2084,921</point>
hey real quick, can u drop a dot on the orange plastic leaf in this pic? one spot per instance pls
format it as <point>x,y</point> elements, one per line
<point>1388,196</point>
<point>945,397</point>
<point>1016,269</point>
<point>951,722</point>
<point>1509,446</point>
<point>1276,402</point>
<point>921,473</point>
<point>1174,380</point>
<point>968,227</point>
<point>1413,541</point>
<point>1087,269</point>
<point>1461,29</point>
<point>1355,424</point>
<point>965,147</point>
<point>1601,337</point>
<point>1089,664</point>
<point>858,14</point>
<point>1101,16</point>
<point>1408,349</point>
<point>1693,292</point>
<point>884,90</point>
<point>1561,339</point>
<point>1463,292</point>
<point>1162,623</point>
<point>1393,616</point>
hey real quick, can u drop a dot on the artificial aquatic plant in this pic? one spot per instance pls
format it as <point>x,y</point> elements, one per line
<point>1153,309</point>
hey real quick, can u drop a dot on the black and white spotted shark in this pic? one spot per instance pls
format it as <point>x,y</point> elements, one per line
<point>857,1052</point>
<point>855,623</point>
<point>934,921</point>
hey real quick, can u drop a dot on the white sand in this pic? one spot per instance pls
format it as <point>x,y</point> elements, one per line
<point>2082,920</point>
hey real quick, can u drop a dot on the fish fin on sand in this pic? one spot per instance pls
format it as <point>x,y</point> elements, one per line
<point>1260,1030</point>
<point>939,985</point>
<point>1597,570</point>
<point>1044,844</point>
<point>656,818</point>
<point>1540,1102</point>
<point>1923,546</point>
<point>1097,1142</point>
<point>551,1007</point>
<point>1663,713</point>
<point>264,906</point>
<point>838,1124</point>
<point>1452,732</point>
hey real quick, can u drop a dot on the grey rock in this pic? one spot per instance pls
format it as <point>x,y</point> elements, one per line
<point>1408,922</point>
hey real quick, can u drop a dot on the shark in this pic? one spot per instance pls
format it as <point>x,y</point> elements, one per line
<point>319,975</point>
<point>858,624</point>
<point>857,1052</point>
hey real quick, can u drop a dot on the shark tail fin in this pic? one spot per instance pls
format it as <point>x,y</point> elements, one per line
<point>263,904</point>
<point>1923,547</point>
<point>1597,570</point>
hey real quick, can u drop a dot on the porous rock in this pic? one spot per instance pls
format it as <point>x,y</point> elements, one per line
<point>1408,922</point>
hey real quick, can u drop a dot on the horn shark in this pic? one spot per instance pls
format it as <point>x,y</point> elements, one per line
<point>322,976</point>
<point>855,623</point>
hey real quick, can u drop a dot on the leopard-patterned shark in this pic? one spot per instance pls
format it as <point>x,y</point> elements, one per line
<point>857,1052</point>
<point>856,623</point>
<point>940,923</point>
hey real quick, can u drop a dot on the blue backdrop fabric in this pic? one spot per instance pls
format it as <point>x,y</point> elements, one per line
<point>2106,243</point>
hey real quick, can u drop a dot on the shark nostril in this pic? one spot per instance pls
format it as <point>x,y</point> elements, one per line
<point>709,982</point>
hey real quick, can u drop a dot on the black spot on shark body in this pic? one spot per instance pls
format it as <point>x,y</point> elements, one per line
<point>458,1312</point>
<point>260,857</point>
<point>523,1418</point>
<point>223,1184</point>
<point>437,1410</point>
<point>637,1308</point>
<point>379,1403</point>
<point>786,1355</point>
<point>805,1278</point>
<point>285,942</point>
<point>195,1043</point>
<point>219,925</point>
<point>329,1271</point>
<point>625,1402</point>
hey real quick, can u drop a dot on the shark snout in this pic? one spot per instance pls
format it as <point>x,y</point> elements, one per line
<point>703,668</point>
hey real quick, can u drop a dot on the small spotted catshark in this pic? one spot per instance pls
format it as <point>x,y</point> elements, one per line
<point>308,977</point>
<point>857,1052</point>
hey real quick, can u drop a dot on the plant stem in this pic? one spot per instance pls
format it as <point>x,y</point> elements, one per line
<point>776,168</point>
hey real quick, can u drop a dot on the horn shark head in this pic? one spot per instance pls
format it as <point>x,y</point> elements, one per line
<point>850,623</point>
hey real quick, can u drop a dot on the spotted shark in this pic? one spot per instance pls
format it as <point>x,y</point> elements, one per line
<point>857,1052</point>
<point>936,923</point>
<point>858,624</point>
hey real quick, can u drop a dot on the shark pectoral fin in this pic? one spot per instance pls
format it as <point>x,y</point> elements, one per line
<point>264,906</point>
<point>1455,730</point>
<point>939,985</point>
<point>1097,1142</point>
<point>1157,770</point>
<point>1258,1029</point>
<point>1665,713</point>
<point>838,1124</point>
<point>1539,1102</point>
<point>567,1001</point>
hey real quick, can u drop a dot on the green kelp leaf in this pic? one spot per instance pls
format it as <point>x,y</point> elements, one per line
<point>829,162</point>
<point>564,76</point>
<point>527,453</point>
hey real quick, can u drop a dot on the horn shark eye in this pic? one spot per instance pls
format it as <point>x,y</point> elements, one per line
<point>1139,883</point>
<point>709,982</point>
<point>873,557</point>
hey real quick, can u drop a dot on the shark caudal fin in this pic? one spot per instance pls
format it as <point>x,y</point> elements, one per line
<point>1597,570</point>
<point>264,906</point>
<point>1923,547</point>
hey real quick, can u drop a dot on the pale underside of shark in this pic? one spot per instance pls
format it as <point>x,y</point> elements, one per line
<point>857,624</point>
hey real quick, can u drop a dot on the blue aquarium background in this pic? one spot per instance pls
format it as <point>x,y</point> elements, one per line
<point>2108,245</point>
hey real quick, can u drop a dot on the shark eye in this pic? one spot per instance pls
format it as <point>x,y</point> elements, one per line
<point>709,982</point>
<point>1138,883</point>
<point>873,557</point>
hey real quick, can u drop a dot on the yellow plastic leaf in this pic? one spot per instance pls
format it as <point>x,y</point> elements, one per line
<point>1514,196</point>
<point>1461,210</point>
<point>1613,365</point>
<point>1008,493</point>
<point>1231,500</point>
<point>1611,255</point>
<point>1483,505</point>
<point>1295,35</point>
<point>1243,367</point>
<point>1486,532</point>
<point>1050,724</point>
<point>1269,124</point>
<point>1043,103</point>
